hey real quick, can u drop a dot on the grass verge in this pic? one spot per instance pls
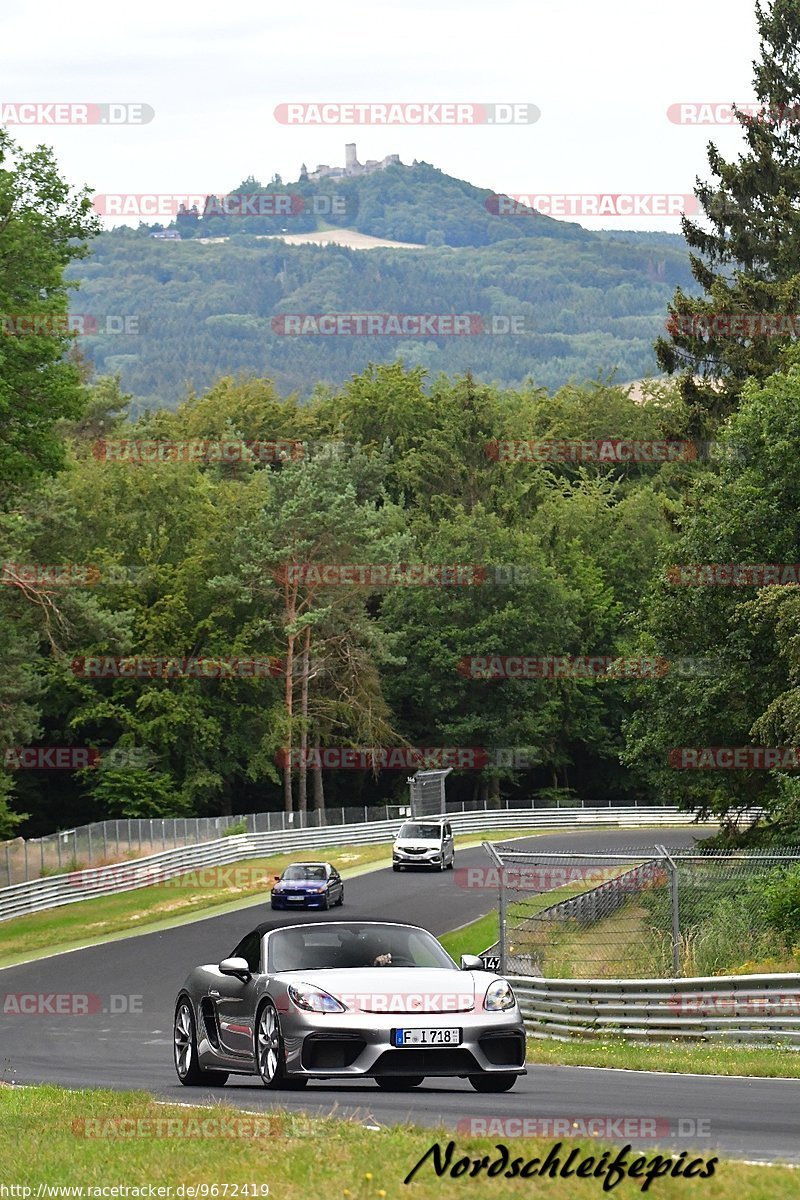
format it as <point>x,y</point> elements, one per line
<point>695,1058</point>
<point>134,1142</point>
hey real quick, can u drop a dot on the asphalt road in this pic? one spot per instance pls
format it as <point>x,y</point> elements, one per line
<point>125,1040</point>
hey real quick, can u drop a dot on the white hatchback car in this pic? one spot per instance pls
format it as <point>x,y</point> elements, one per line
<point>424,843</point>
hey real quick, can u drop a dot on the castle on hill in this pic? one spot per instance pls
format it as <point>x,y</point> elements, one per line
<point>352,166</point>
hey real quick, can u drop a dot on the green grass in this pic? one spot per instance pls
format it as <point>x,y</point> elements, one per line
<point>699,1058</point>
<point>473,938</point>
<point>295,1155</point>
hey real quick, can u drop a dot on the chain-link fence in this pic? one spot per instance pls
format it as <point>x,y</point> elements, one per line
<point>112,841</point>
<point>643,913</point>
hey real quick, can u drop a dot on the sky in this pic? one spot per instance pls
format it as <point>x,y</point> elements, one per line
<point>603,76</point>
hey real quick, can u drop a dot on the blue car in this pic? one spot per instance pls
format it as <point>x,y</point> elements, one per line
<point>308,885</point>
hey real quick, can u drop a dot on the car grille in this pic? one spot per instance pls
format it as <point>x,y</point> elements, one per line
<point>328,1050</point>
<point>426,1061</point>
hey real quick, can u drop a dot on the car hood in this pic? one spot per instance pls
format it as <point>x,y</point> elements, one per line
<point>389,990</point>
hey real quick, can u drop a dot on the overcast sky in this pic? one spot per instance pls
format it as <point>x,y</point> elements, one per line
<point>602,74</point>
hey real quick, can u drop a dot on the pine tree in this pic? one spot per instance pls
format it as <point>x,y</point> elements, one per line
<point>748,261</point>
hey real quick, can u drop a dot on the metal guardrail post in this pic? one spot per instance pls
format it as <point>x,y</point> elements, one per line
<point>676,921</point>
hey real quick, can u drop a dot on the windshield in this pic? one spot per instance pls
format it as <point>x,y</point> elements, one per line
<point>304,871</point>
<point>313,947</point>
<point>428,833</point>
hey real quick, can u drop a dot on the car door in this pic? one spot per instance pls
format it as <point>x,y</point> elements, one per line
<point>449,848</point>
<point>236,999</point>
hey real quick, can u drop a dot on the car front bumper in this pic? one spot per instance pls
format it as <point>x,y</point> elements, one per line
<point>359,1044</point>
<point>310,901</point>
<point>402,859</point>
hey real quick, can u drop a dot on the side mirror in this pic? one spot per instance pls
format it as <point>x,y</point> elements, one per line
<point>235,966</point>
<point>277,878</point>
<point>471,962</point>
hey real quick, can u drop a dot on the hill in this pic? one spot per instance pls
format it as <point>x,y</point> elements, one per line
<point>548,299</point>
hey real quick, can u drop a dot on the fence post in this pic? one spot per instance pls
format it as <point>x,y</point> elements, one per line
<point>8,864</point>
<point>89,831</point>
<point>501,906</point>
<point>676,921</point>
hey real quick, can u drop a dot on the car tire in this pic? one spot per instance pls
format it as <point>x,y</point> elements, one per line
<point>341,898</point>
<point>395,866</point>
<point>441,864</point>
<point>452,863</point>
<point>184,1041</point>
<point>493,1083</point>
<point>268,1038</point>
<point>327,901</point>
<point>398,1083</point>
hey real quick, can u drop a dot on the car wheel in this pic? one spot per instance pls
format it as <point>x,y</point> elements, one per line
<point>398,1083</point>
<point>327,901</point>
<point>341,898</point>
<point>395,866</point>
<point>269,1048</point>
<point>190,1073</point>
<point>493,1083</point>
<point>452,862</point>
<point>441,864</point>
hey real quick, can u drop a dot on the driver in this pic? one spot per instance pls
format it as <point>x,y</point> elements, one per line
<point>360,950</point>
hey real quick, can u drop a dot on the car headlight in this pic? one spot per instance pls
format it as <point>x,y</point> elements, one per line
<point>313,999</point>
<point>499,996</point>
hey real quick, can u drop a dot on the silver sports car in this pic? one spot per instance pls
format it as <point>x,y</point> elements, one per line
<point>345,1000</point>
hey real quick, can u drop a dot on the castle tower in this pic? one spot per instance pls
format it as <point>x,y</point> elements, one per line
<point>350,159</point>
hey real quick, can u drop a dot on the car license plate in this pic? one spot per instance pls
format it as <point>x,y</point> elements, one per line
<point>426,1037</point>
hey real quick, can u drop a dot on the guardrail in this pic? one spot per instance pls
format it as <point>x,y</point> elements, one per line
<point>755,1009</point>
<point>56,890</point>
